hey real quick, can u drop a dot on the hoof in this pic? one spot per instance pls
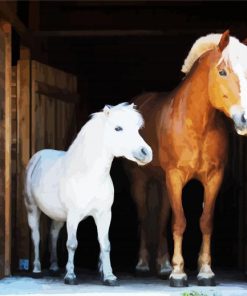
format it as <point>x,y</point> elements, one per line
<point>54,273</point>
<point>37,275</point>
<point>111,283</point>
<point>142,271</point>
<point>206,281</point>
<point>70,281</point>
<point>164,275</point>
<point>183,282</point>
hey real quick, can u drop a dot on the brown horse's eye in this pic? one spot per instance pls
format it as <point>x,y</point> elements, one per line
<point>222,72</point>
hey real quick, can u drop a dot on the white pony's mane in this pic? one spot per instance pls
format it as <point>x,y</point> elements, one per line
<point>233,53</point>
<point>123,107</point>
<point>90,137</point>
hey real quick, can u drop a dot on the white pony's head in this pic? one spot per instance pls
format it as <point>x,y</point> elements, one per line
<point>121,133</point>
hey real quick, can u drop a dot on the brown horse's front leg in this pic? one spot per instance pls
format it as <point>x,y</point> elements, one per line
<point>163,259</point>
<point>206,277</point>
<point>175,183</point>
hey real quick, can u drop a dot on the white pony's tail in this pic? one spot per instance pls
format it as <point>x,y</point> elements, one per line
<point>29,201</point>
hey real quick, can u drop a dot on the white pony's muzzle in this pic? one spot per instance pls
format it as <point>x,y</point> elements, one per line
<point>143,155</point>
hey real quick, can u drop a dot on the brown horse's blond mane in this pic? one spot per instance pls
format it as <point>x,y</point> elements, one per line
<point>201,45</point>
<point>235,55</point>
<point>236,52</point>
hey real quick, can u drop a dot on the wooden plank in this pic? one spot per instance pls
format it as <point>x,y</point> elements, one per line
<point>59,119</point>
<point>25,53</point>
<point>33,107</point>
<point>8,77</point>
<point>39,121</point>
<point>72,124</point>
<point>22,243</point>
<point>56,92</point>
<point>54,77</point>
<point>14,162</point>
<point>5,148</point>
<point>2,153</point>
<point>67,128</point>
<point>50,123</point>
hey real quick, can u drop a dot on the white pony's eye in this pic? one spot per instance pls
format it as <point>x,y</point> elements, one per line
<point>118,128</point>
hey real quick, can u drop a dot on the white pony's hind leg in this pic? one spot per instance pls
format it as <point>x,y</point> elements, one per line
<point>103,221</point>
<point>33,215</point>
<point>54,232</point>
<point>72,225</point>
<point>33,212</point>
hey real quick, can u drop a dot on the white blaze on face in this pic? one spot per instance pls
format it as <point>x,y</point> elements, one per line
<point>239,71</point>
<point>236,55</point>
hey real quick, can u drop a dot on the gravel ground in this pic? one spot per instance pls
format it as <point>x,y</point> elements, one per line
<point>228,284</point>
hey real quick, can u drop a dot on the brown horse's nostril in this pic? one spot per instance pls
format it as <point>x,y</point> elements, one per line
<point>243,119</point>
<point>144,151</point>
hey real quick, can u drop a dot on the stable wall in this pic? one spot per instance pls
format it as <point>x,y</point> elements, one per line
<point>105,47</point>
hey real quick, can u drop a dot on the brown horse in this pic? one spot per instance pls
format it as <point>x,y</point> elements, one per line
<point>189,141</point>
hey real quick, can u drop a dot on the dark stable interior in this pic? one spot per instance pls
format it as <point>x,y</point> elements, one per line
<point>113,69</point>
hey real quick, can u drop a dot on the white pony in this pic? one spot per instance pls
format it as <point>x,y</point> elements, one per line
<point>70,186</point>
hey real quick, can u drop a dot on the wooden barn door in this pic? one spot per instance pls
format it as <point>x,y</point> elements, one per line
<point>46,104</point>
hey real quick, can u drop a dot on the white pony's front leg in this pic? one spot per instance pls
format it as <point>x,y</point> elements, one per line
<point>72,224</point>
<point>103,220</point>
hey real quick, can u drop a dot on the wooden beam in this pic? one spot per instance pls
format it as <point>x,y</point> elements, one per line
<point>25,53</point>
<point>145,3</point>
<point>55,92</point>
<point>7,12</point>
<point>99,33</point>
<point>13,164</point>
<point>120,33</point>
<point>34,15</point>
<point>9,15</point>
<point>22,239</point>
<point>8,78</point>
<point>5,148</point>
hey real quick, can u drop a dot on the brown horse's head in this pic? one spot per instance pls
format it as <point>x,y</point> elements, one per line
<point>228,83</point>
<point>225,59</point>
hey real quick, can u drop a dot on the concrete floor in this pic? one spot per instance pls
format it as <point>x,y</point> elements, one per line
<point>228,284</point>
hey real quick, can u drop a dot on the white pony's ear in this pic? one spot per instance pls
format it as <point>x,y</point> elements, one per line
<point>107,109</point>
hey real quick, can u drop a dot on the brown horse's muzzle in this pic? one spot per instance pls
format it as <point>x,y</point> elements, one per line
<point>240,122</point>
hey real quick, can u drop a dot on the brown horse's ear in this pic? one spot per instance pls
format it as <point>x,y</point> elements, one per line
<point>224,40</point>
<point>244,41</point>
